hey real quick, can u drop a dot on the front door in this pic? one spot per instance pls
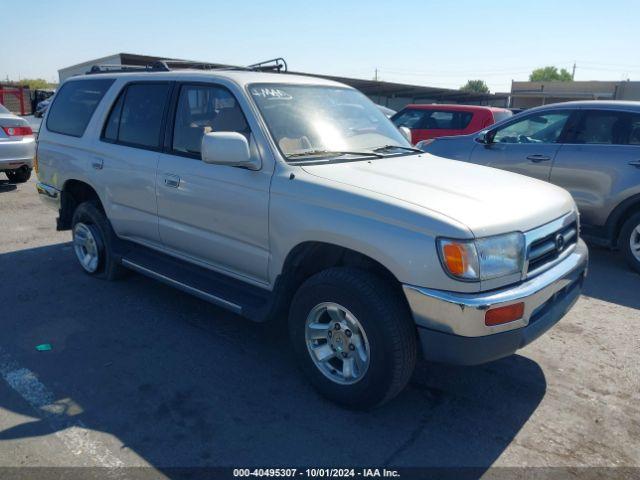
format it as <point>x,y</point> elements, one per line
<point>527,146</point>
<point>213,214</point>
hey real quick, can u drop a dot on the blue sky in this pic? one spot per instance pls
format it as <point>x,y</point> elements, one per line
<point>428,42</point>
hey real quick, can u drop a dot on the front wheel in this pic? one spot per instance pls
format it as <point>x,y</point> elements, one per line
<point>353,336</point>
<point>629,241</point>
<point>20,175</point>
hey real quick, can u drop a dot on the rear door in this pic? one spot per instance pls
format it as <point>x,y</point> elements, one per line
<point>600,162</point>
<point>527,145</point>
<point>130,144</point>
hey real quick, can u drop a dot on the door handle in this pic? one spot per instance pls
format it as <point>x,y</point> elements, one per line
<point>172,181</point>
<point>538,158</point>
<point>635,163</point>
<point>97,163</point>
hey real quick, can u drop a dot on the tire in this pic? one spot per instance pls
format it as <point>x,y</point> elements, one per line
<point>93,236</point>
<point>629,241</point>
<point>386,328</point>
<point>19,176</point>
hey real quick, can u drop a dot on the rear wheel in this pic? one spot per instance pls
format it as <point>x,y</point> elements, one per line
<point>20,175</point>
<point>629,241</point>
<point>93,241</point>
<point>353,336</point>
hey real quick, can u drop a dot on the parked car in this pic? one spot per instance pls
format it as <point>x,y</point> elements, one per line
<point>17,147</point>
<point>42,108</point>
<point>387,111</point>
<point>278,196</point>
<point>591,148</point>
<point>431,121</point>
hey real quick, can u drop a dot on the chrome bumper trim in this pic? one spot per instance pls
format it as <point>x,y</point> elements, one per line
<point>463,313</point>
<point>49,195</point>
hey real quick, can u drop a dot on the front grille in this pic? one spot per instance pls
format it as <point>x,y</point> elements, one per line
<point>546,249</point>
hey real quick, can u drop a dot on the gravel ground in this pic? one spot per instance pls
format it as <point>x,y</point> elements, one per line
<point>141,374</point>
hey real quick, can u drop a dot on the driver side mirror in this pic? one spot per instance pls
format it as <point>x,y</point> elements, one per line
<point>486,137</point>
<point>228,148</point>
<point>406,133</point>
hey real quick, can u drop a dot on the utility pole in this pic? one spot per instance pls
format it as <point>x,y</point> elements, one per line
<point>375,77</point>
<point>573,72</point>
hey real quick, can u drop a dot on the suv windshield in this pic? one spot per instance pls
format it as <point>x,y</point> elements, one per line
<point>312,121</point>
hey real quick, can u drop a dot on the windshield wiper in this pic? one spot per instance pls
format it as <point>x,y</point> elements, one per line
<point>402,147</point>
<point>331,153</point>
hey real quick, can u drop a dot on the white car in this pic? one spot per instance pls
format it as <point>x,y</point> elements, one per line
<point>282,196</point>
<point>17,147</point>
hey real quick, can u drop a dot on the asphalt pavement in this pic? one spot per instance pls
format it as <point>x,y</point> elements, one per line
<point>140,374</point>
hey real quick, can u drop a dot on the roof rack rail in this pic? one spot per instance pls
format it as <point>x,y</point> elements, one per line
<point>275,64</point>
<point>195,65</point>
<point>157,66</point>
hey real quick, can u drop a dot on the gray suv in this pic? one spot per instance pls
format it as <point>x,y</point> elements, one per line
<point>591,148</point>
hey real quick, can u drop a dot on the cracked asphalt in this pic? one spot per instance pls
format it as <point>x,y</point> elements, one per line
<point>158,378</point>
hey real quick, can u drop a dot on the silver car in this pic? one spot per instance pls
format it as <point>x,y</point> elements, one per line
<point>17,147</point>
<point>591,148</point>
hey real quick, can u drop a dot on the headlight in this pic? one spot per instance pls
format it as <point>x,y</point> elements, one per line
<point>483,258</point>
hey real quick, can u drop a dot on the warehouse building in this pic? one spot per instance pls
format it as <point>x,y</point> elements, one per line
<point>389,94</point>
<point>533,94</point>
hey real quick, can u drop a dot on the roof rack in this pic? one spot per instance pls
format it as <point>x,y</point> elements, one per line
<point>157,66</point>
<point>274,65</point>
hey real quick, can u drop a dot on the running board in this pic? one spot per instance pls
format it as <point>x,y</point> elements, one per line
<point>221,302</point>
<point>229,293</point>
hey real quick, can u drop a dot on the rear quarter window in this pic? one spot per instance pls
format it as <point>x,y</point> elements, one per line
<point>74,105</point>
<point>499,116</point>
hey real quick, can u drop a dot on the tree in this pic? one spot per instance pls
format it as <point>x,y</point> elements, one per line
<point>475,86</point>
<point>36,83</point>
<point>549,74</point>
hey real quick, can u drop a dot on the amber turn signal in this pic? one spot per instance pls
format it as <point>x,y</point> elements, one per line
<point>497,316</point>
<point>456,258</point>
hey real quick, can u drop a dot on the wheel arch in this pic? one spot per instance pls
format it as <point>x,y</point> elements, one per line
<point>618,216</point>
<point>310,257</point>
<point>75,192</point>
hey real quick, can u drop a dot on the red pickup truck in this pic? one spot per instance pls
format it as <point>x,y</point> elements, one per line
<point>436,120</point>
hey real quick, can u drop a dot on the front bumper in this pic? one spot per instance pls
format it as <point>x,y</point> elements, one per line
<point>451,325</point>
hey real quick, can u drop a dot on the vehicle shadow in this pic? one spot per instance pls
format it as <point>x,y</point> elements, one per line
<point>6,186</point>
<point>611,279</point>
<point>182,383</point>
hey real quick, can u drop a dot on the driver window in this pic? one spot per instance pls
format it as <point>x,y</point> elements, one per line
<point>542,128</point>
<point>202,109</point>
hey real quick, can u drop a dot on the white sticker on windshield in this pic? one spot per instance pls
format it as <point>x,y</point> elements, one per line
<point>266,92</point>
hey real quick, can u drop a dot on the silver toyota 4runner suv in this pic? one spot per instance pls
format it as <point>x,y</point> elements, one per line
<point>279,196</point>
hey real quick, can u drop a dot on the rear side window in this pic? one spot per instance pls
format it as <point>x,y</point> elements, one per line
<point>433,119</point>
<point>501,115</point>
<point>136,117</point>
<point>602,128</point>
<point>634,129</point>
<point>74,105</point>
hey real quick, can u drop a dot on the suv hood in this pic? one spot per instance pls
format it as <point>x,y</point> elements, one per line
<point>486,200</point>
